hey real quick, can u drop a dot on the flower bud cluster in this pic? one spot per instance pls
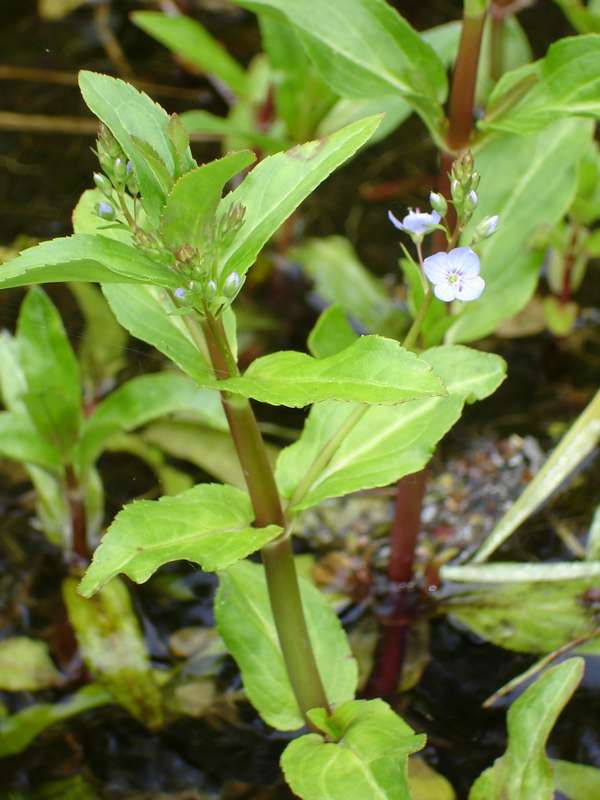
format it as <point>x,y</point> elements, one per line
<point>464,182</point>
<point>196,263</point>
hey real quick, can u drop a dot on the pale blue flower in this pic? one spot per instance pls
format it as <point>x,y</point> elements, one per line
<point>416,223</point>
<point>180,293</point>
<point>455,275</point>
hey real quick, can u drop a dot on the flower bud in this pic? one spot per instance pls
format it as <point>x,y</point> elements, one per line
<point>132,183</point>
<point>211,289</point>
<point>120,170</point>
<point>231,285</point>
<point>103,183</point>
<point>486,227</point>
<point>107,149</point>
<point>105,210</point>
<point>179,293</point>
<point>438,203</point>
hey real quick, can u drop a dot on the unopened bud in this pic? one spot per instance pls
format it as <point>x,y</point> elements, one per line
<point>105,210</point>
<point>120,170</point>
<point>486,227</point>
<point>438,203</point>
<point>132,183</point>
<point>103,183</point>
<point>211,289</point>
<point>231,285</point>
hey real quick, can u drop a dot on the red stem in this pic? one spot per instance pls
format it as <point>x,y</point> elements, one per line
<point>79,543</point>
<point>407,523</point>
<point>464,79</point>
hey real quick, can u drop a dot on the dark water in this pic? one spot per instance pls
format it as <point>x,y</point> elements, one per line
<point>41,178</point>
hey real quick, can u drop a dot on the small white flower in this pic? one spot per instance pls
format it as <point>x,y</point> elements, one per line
<point>416,223</point>
<point>455,275</point>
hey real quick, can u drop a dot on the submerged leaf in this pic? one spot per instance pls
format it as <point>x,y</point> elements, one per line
<point>113,648</point>
<point>26,666</point>
<point>527,617</point>
<point>19,730</point>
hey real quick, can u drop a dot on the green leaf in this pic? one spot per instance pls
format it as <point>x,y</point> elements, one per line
<point>172,480</point>
<point>187,38</point>
<point>210,525</point>
<point>524,771</point>
<point>364,48</point>
<point>19,730</point>
<point>385,443</point>
<point>210,126</point>
<point>593,542</point>
<point>245,622</point>
<point>507,572</point>
<point>368,757</point>
<point>103,341</point>
<point>133,118</point>
<point>137,402</point>
<point>83,257</point>
<point>372,370</point>
<point>525,616</point>
<point>584,17</point>
<point>190,209</point>
<point>26,666</point>
<point>332,333</point>
<point>112,646</point>
<point>277,186</point>
<point>576,781</point>
<point>20,441</point>
<point>301,96</point>
<point>573,449</point>
<point>53,396</point>
<point>348,109</point>
<point>427,784</point>
<point>568,83</point>
<point>340,277</point>
<point>148,314</point>
<point>74,788</point>
<point>209,448</point>
<point>516,171</point>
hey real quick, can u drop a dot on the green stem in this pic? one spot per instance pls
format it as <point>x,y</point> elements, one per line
<point>277,556</point>
<point>415,328</point>
<point>463,81</point>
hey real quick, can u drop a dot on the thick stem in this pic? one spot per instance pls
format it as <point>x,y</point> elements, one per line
<point>463,82</point>
<point>277,557</point>
<point>407,522</point>
<point>395,622</point>
<point>79,544</point>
